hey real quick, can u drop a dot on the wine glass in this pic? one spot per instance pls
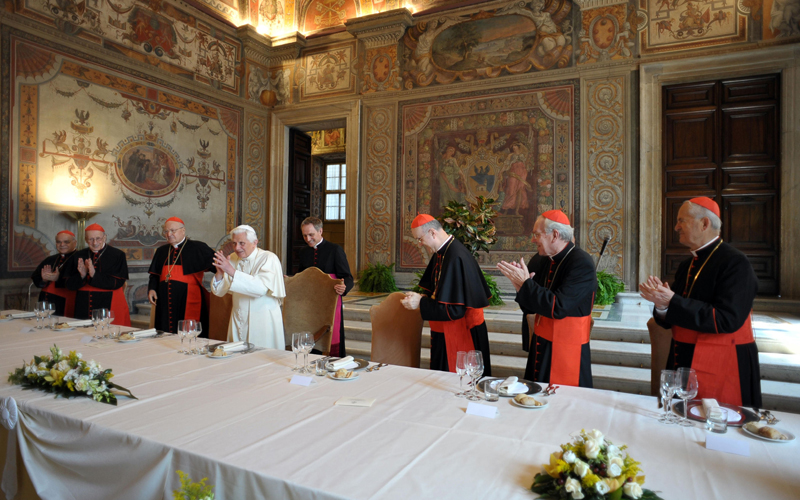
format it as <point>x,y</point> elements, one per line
<point>182,330</point>
<point>461,370</point>
<point>306,344</point>
<point>668,387</point>
<point>108,319</point>
<point>474,364</point>
<point>198,329</point>
<point>49,308</point>
<point>97,317</point>
<point>296,349</point>
<point>40,314</point>
<point>687,389</point>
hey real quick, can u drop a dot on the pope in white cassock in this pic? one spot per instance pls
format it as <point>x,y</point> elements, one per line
<point>255,280</point>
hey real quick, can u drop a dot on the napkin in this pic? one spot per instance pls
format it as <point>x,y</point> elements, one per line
<point>143,334</point>
<point>341,363</point>
<point>511,386</point>
<point>79,323</point>
<point>709,404</point>
<point>233,346</point>
<point>23,315</point>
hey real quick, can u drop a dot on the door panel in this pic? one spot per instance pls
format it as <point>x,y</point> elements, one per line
<point>300,179</point>
<point>690,137</point>
<point>748,134</point>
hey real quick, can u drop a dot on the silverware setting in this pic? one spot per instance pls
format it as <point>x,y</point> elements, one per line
<point>768,416</point>
<point>377,367</point>
<point>551,389</point>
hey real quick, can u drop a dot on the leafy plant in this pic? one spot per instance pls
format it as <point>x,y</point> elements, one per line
<point>415,282</point>
<point>473,226</point>
<point>495,299</point>
<point>191,490</point>
<point>378,278</point>
<point>608,286</point>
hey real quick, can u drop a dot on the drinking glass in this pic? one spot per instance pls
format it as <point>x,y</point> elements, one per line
<point>97,317</point>
<point>474,364</point>
<point>40,314</point>
<point>668,388</point>
<point>198,329</point>
<point>306,344</point>
<point>109,318</point>
<point>687,389</point>
<point>182,330</point>
<point>49,308</point>
<point>461,370</point>
<point>296,349</point>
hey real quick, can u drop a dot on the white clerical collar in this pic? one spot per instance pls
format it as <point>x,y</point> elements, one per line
<point>694,252</point>
<point>101,249</point>
<point>179,244</point>
<point>319,242</point>
<point>443,244</point>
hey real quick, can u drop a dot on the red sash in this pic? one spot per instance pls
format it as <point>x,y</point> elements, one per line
<point>122,315</point>
<point>194,290</point>
<point>567,336</point>
<point>336,331</point>
<point>457,335</point>
<point>715,361</point>
<point>67,295</point>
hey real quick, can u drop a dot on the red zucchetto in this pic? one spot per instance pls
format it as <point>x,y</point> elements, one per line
<point>174,219</point>
<point>66,232</point>
<point>706,202</point>
<point>95,227</point>
<point>557,216</point>
<point>421,220</point>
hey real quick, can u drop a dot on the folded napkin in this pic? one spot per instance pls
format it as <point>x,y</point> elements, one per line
<point>345,362</point>
<point>709,404</point>
<point>143,334</point>
<point>233,346</point>
<point>79,323</point>
<point>511,386</point>
<point>23,315</point>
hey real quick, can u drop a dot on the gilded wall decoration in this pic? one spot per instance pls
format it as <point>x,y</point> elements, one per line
<point>328,141</point>
<point>606,34</point>
<point>327,72</point>
<point>131,150</point>
<point>378,188</point>
<point>516,147</point>
<point>684,24</point>
<point>783,19</point>
<point>380,70</point>
<point>518,38</point>
<point>270,87</point>
<point>271,15</point>
<point>605,175</point>
<point>255,174</point>
<point>157,33</point>
<point>321,14</point>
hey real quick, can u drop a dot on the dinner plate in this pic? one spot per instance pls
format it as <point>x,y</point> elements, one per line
<point>764,438</point>
<point>737,416</point>
<point>514,402</point>
<point>226,356</point>
<point>247,347</point>
<point>361,364</point>
<point>354,377</point>
<point>67,329</point>
<point>533,387</point>
<point>123,341</point>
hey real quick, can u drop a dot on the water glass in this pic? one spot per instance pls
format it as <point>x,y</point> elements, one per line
<point>461,370</point>
<point>195,329</point>
<point>717,420</point>
<point>668,386</point>
<point>474,364</point>
<point>49,309</point>
<point>490,390</point>
<point>321,367</point>
<point>296,349</point>
<point>687,389</point>
<point>39,310</point>
<point>113,332</point>
<point>108,319</point>
<point>98,315</point>
<point>306,344</point>
<point>182,330</point>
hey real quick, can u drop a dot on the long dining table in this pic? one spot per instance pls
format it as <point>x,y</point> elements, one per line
<point>240,423</point>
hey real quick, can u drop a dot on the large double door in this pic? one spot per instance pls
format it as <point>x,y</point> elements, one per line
<point>721,140</point>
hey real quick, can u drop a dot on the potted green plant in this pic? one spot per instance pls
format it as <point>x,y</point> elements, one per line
<point>377,278</point>
<point>608,286</point>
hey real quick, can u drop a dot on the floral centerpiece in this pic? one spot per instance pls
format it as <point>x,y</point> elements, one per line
<point>67,376</point>
<point>593,468</point>
<point>191,490</point>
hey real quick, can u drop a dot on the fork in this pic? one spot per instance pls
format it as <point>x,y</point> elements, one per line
<point>379,366</point>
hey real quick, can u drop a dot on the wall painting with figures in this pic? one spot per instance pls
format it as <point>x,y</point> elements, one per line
<point>518,147</point>
<point>89,137</point>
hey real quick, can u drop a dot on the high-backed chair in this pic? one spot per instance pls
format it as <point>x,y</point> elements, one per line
<point>219,316</point>
<point>660,340</point>
<point>152,316</point>
<point>396,332</point>
<point>310,306</point>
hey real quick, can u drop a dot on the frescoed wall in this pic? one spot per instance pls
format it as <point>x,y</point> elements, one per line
<point>515,147</point>
<point>89,137</point>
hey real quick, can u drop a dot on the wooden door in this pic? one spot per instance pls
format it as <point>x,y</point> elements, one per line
<point>300,180</point>
<point>721,140</point>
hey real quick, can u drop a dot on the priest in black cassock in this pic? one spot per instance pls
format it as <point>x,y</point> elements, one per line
<point>98,276</point>
<point>51,275</point>
<point>560,292</point>
<point>455,295</point>
<point>709,309</point>
<point>330,259</point>
<point>176,279</point>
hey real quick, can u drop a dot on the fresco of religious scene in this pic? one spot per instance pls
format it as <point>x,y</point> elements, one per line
<point>517,148</point>
<point>91,138</point>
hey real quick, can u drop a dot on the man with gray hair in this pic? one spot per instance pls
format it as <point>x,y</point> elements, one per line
<point>255,280</point>
<point>709,309</point>
<point>560,292</point>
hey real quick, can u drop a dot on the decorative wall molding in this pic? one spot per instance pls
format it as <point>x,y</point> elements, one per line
<point>267,51</point>
<point>593,4</point>
<point>378,184</point>
<point>255,173</point>
<point>379,30</point>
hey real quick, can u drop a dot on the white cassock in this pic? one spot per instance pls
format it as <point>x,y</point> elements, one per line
<point>258,291</point>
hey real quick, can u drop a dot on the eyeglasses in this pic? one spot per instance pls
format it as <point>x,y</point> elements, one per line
<point>538,234</point>
<point>172,231</point>
<point>95,240</point>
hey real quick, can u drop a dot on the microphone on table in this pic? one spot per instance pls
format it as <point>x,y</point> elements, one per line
<point>602,250</point>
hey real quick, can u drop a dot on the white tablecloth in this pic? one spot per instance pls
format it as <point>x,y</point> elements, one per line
<point>241,424</point>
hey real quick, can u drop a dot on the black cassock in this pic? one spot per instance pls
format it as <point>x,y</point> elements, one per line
<point>720,302</point>
<point>330,259</point>
<point>563,287</point>
<point>455,288</point>
<point>181,296</point>
<point>105,289</point>
<point>533,265</point>
<point>56,292</point>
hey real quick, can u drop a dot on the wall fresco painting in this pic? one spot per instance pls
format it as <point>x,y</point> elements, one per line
<point>321,14</point>
<point>517,38</point>
<point>518,148</point>
<point>607,34</point>
<point>90,138</point>
<point>328,141</point>
<point>685,24</point>
<point>328,71</point>
<point>156,33</point>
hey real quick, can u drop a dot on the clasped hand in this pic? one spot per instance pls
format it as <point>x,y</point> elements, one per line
<point>223,265</point>
<point>656,291</point>
<point>85,267</point>
<point>516,272</point>
<point>49,274</point>
<point>411,301</point>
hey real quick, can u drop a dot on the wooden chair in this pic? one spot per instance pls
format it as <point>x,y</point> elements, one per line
<point>310,306</point>
<point>152,316</point>
<point>219,316</point>
<point>396,332</point>
<point>660,340</point>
